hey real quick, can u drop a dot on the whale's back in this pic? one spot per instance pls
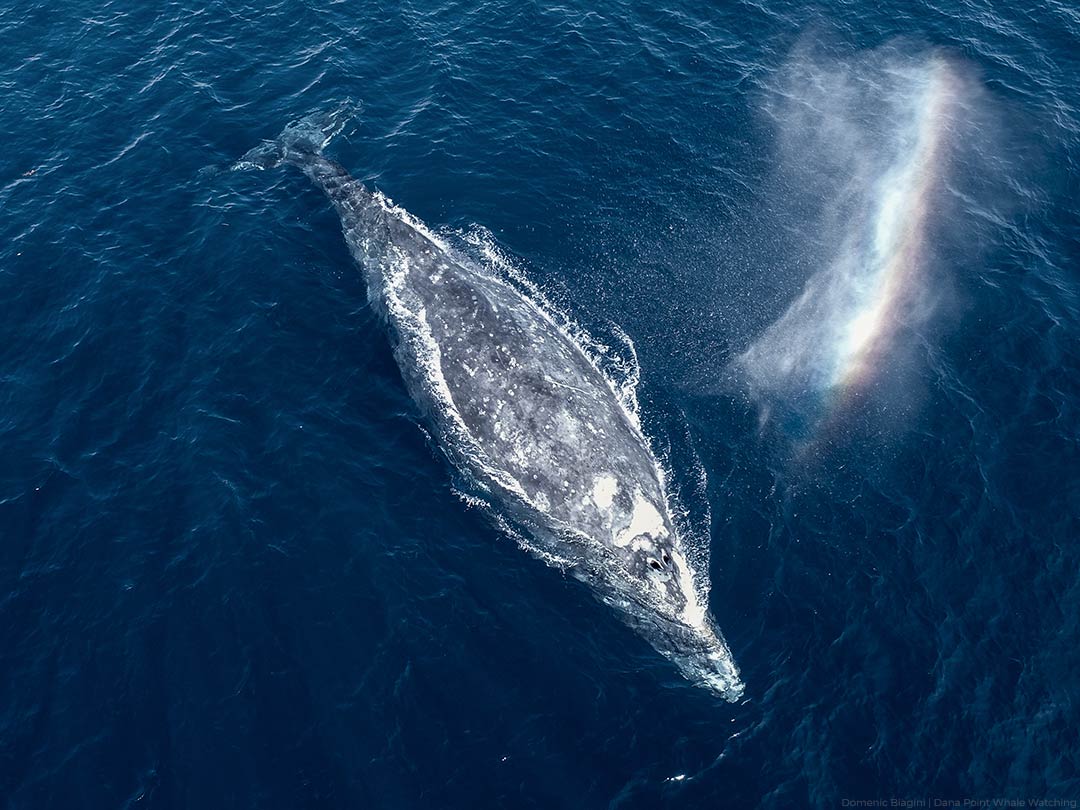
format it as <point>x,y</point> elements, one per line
<point>532,402</point>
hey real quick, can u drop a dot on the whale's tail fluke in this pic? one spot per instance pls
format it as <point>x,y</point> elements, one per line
<point>301,139</point>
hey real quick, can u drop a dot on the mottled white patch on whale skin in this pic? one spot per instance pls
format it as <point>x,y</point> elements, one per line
<point>646,519</point>
<point>604,489</point>
<point>643,543</point>
<point>694,614</point>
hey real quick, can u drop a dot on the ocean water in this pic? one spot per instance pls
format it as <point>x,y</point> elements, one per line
<point>839,245</point>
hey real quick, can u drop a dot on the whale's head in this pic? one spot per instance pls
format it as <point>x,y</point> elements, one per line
<point>644,538</point>
<point>654,561</point>
<point>665,601</point>
<point>702,655</point>
<point>673,616</point>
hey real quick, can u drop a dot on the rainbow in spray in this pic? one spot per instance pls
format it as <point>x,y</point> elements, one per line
<point>837,334</point>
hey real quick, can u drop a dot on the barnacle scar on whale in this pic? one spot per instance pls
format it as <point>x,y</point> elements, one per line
<point>521,410</point>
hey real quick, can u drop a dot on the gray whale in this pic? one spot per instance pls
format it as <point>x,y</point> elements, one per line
<point>521,410</point>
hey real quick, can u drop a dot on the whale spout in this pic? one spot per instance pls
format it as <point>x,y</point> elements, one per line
<point>885,143</point>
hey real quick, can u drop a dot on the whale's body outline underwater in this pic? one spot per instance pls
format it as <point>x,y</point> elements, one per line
<point>520,408</point>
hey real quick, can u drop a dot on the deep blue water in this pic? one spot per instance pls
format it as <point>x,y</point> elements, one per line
<point>234,571</point>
